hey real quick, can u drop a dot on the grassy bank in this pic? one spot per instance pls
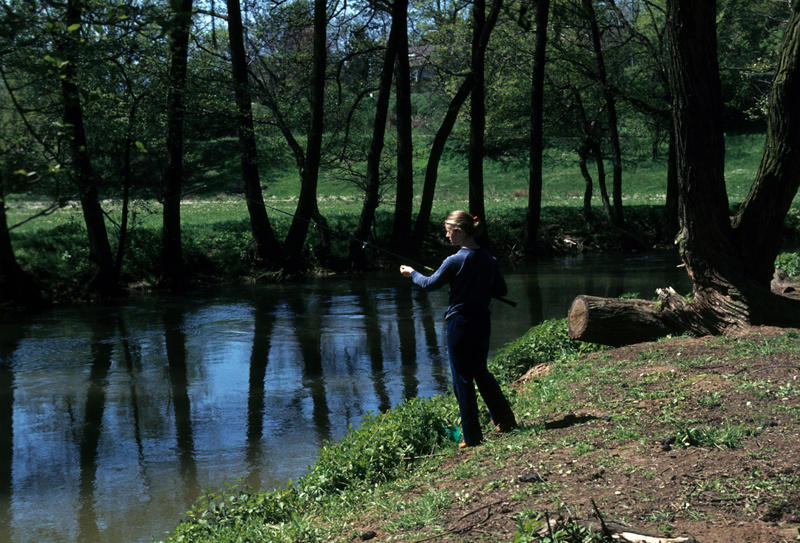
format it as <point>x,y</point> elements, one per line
<point>216,236</point>
<point>681,436</point>
<point>217,250</point>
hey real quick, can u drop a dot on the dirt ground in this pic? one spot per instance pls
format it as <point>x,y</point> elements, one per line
<point>747,494</point>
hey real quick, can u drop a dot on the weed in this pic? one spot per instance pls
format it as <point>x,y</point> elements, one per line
<point>658,516</point>
<point>582,448</point>
<point>465,470</point>
<point>728,436</point>
<point>542,530</point>
<point>711,399</point>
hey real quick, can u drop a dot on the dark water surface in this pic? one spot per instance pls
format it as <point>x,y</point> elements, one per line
<point>114,420</point>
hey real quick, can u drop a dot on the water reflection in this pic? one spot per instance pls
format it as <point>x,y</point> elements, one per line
<point>263,324</point>
<point>8,345</point>
<point>113,420</point>
<point>176,351</point>
<point>100,353</point>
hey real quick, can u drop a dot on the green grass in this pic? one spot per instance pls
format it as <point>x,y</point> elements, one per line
<point>506,184</point>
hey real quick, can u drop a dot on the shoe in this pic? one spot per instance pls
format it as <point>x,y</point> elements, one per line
<point>465,444</point>
<point>506,427</point>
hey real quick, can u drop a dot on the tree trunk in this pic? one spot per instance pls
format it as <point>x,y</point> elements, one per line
<point>611,108</point>
<point>671,207</point>
<point>127,183</point>
<point>728,263</point>
<point>307,209</point>
<point>266,246</point>
<point>372,191</point>
<point>477,114</point>
<point>435,156</point>
<point>615,322</point>
<point>437,148</point>
<point>591,146</point>
<point>104,280</point>
<point>16,287</point>
<point>759,225</point>
<point>535,184</point>
<point>172,271</point>
<point>583,152</point>
<point>706,239</point>
<point>404,200</point>
<point>480,41</point>
<point>597,152</point>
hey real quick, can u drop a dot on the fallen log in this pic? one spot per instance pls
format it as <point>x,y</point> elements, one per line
<point>624,321</point>
<point>615,321</point>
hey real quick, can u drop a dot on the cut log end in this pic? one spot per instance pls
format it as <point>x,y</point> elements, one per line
<point>578,317</point>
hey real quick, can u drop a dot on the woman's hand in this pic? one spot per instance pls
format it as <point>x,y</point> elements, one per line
<point>406,270</point>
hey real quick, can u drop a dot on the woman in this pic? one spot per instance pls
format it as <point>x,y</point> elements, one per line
<point>474,278</point>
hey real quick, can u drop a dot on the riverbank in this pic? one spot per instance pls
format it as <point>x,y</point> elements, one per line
<point>217,250</point>
<point>692,437</point>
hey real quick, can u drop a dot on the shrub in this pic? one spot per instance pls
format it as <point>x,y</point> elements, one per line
<point>381,448</point>
<point>547,342</point>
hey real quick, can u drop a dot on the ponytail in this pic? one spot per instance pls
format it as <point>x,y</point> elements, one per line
<point>470,224</point>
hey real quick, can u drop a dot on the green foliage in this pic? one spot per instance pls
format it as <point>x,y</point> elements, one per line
<point>142,254</point>
<point>792,220</point>
<point>218,249</point>
<point>546,343</point>
<point>381,449</point>
<point>59,260</point>
<point>420,512</point>
<point>234,508</point>
<point>789,262</point>
<point>749,37</point>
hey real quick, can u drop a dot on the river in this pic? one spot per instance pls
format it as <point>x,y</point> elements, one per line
<point>115,419</point>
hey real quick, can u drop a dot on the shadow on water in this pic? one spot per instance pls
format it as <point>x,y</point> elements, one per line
<point>114,420</point>
<point>308,317</point>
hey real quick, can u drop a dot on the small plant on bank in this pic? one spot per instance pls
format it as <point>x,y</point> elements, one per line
<point>546,343</point>
<point>728,436</point>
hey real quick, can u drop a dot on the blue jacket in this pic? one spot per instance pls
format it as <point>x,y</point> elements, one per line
<point>474,278</point>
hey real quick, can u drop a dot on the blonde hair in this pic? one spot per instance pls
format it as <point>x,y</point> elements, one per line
<point>467,222</point>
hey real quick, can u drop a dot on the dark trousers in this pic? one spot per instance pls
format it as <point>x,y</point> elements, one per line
<point>468,347</point>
